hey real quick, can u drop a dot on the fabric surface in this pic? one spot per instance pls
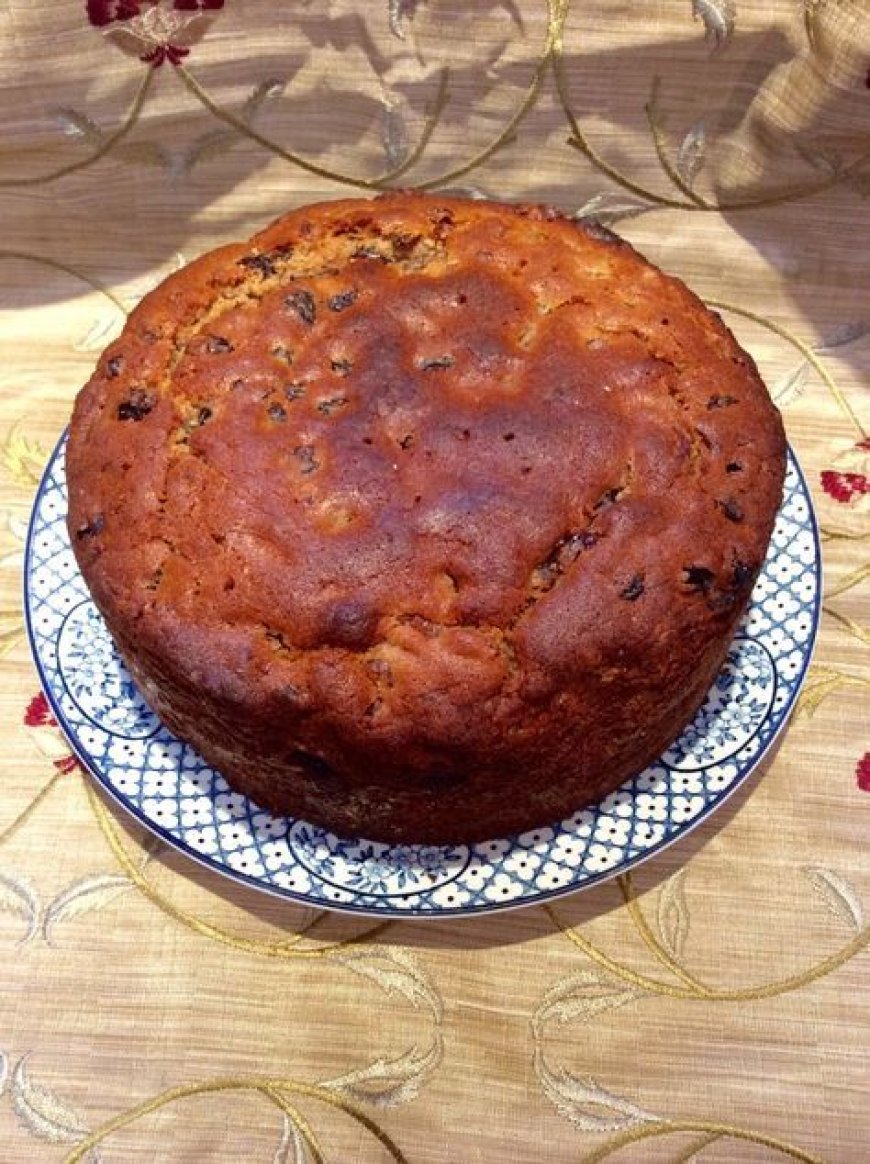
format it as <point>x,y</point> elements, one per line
<point>709,1006</point>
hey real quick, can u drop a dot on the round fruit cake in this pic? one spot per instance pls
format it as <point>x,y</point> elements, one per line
<point>424,520</point>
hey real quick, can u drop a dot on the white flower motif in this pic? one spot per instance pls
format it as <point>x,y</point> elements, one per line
<point>580,824</point>
<point>295,879</point>
<point>476,874</point>
<point>195,811</point>
<point>686,782</point>
<point>651,807</point>
<point>163,754</point>
<point>267,825</point>
<point>602,857</point>
<point>196,783</point>
<point>452,896</point>
<point>492,850</point>
<point>204,840</point>
<point>275,854</point>
<point>684,808</point>
<point>647,834</point>
<point>536,838</point>
<point>161,810</point>
<point>522,863</point>
<point>503,888</point>
<point>159,782</point>
<point>569,850</point>
<point>230,806</point>
<point>125,753</point>
<point>652,780</point>
<point>554,876</point>
<point>234,835</point>
<point>612,831</point>
<point>246,862</point>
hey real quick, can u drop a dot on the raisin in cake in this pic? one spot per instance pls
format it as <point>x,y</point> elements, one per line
<point>423,519</point>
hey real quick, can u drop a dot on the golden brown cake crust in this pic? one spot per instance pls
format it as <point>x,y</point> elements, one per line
<point>424,519</point>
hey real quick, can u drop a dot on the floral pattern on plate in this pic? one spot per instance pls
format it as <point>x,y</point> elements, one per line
<point>170,788</point>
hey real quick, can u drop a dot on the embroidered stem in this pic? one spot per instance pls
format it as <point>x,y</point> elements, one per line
<point>713,994</point>
<point>850,580</point>
<point>695,1149</point>
<point>272,1089</point>
<point>855,629</point>
<point>111,141</point>
<point>806,351</point>
<point>31,808</point>
<point>655,947</point>
<point>249,131</point>
<point>557,13</point>
<point>299,1122</point>
<point>94,284</point>
<point>279,949</point>
<point>671,1127</point>
<point>658,139</point>
<point>433,116</point>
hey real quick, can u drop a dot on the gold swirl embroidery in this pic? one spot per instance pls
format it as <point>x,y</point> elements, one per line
<point>283,948</point>
<point>689,986</point>
<point>202,95</point>
<point>557,11</point>
<point>712,1133</point>
<point>274,1089</point>
<point>690,200</point>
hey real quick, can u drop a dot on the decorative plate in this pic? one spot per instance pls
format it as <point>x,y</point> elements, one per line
<point>170,788</point>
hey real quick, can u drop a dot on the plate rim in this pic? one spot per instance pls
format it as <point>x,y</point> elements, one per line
<point>415,913</point>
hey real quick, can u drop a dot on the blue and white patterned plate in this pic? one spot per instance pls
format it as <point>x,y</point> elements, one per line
<point>169,787</point>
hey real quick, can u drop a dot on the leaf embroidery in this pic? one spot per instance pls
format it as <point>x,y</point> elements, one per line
<point>692,154</point>
<point>587,1105</point>
<point>838,895</point>
<point>473,192</point>
<point>719,17</point>
<point>4,1071</point>
<point>395,972</point>
<point>611,206</point>
<point>291,1141</point>
<point>25,459</point>
<point>79,125</point>
<point>101,332</point>
<point>82,897</point>
<point>390,1082</point>
<point>42,1112</point>
<point>582,996</point>
<point>397,10</point>
<point>394,136</point>
<point>266,92</point>
<point>18,898</point>
<point>792,386</point>
<point>673,914</point>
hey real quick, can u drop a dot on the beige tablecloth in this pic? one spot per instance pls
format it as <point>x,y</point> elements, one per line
<point>710,1006</point>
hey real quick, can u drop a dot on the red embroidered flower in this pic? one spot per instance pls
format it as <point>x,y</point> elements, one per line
<point>154,26</point>
<point>862,772</point>
<point>103,12</point>
<point>850,481</point>
<point>39,715</point>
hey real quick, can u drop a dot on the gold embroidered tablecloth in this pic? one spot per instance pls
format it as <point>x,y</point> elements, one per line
<point>711,1005</point>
